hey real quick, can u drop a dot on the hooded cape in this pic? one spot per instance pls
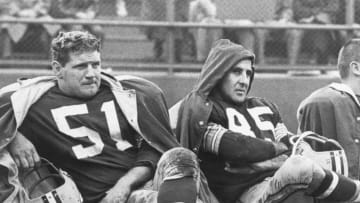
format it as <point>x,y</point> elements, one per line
<point>195,108</point>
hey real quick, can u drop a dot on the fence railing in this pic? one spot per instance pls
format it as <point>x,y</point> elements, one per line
<point>170,64</point>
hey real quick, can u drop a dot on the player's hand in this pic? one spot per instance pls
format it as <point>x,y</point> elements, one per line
<point>307,20</point>
<point>324,18</point>
<point>27,13</point>
<point>270,164</point>
<point>118,194</point>
<point>85,15</point>
<point>23,152</point>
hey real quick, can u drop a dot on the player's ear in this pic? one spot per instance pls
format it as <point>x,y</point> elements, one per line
<point>355,68</point>
<point>57,68</point>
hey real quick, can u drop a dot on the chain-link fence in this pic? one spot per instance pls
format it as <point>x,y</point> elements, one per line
<point>143,44</point>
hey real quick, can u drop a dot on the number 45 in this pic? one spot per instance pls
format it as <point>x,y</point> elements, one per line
<point>238,123</point>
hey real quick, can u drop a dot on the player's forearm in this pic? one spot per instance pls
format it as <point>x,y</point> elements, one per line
<point>125,185</point>
<point>244,149</point>
<point>135,177</point>
<point>235,147</point>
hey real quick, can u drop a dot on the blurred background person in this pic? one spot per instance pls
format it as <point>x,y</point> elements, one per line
<point>291,37</point>
<point>204,11</point>
<point>321,43</point>
<point>156,10</point>
<point>21,34</point>
<point>244,12</point>
<point>5,39</point>
<point>121,8</point>
<point>78,9</point>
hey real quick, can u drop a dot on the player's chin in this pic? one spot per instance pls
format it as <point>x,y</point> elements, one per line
<point>89,91</point>
<point>239,98</point>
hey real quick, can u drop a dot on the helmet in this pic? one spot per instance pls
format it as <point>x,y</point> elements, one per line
<point>46,184</point>
<point>329,153</point>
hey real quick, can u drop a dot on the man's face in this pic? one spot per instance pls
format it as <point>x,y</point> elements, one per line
<point>235,84</point>
<point>80,77</point>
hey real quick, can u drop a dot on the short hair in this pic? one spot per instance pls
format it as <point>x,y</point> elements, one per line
<point>348,53</point>
<point>72,42</point>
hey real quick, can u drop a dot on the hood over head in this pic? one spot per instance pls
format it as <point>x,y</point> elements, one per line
<point>222,57</point>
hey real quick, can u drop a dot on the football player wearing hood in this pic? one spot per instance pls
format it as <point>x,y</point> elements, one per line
<point>242,142</point>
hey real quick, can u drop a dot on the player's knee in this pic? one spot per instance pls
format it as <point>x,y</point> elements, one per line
<point>176,153</point>
<point>179,162</point>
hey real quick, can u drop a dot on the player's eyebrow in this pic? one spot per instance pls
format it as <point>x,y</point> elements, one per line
<point>86,63</point>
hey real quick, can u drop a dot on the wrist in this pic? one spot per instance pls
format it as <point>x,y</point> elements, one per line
<point>120,185</point>
<point>134,178</point>
<point>279,148</point>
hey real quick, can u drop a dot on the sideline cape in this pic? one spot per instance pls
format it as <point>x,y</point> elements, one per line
<point>194,110</point>
<point>141,101</point>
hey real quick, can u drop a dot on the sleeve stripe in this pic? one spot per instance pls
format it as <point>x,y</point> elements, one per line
<point>356,197</point>
<point>280,131</point>
<point>217,140</point>
<point>212,138</point>
<point>332,186</point>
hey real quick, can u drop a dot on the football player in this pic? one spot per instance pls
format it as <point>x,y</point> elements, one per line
<point>108,134</point>
<point>333,111</point>
<point>241,140</point>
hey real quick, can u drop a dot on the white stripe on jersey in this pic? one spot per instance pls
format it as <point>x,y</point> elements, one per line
<point>50,197</point>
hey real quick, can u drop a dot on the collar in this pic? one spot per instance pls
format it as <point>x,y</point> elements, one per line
<point>345,88</point>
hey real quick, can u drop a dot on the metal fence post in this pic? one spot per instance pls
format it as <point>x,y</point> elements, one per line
<point>170,17</point>
<point>349,12</point>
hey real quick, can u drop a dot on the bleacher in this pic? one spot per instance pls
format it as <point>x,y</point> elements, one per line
<point>126,47</point>
<point>124,43</point>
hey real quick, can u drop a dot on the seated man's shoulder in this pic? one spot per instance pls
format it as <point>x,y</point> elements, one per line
<point>7,90</point>
<point>324,95</point>
<point>259,101</point>
<point>139,84</point>
<point>25,82</point>
<point>325,98</point>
